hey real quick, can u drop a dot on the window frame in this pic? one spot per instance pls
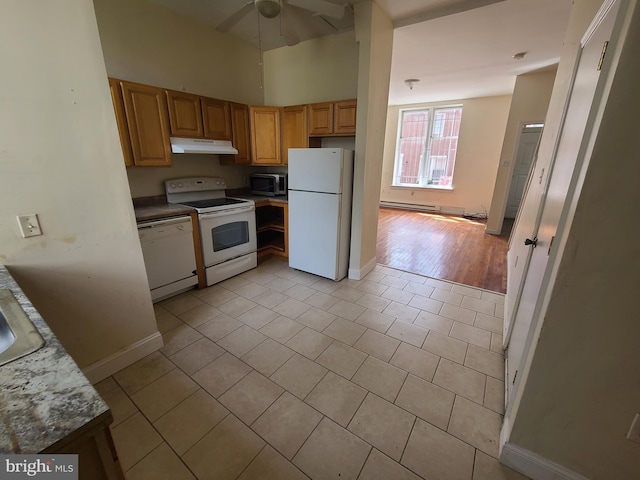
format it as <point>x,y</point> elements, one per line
<point>431,112</point>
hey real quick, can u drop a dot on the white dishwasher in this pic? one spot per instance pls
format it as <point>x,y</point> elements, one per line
<point>169,255</point>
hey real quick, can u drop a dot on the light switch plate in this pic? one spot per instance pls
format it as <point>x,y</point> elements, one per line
<point>634,431</point>
<point>29,225</point>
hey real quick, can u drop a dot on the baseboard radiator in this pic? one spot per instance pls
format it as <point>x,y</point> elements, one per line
<point>411,206</point>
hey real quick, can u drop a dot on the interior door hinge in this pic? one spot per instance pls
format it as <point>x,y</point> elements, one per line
<point>604,52</point>
<point>515,375</point>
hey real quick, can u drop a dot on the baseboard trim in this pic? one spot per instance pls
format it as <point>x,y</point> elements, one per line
<point>360,273</point>
<point>534,466</point>
<point>113,363</point>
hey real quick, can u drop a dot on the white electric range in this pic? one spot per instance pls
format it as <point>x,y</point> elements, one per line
<point>227,225</point>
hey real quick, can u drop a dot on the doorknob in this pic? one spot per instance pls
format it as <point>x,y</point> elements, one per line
<point>533,242</point>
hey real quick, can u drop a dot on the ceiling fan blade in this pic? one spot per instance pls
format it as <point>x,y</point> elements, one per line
<point>230,22</point>
<point>287,31</point>
<point>319,6</point>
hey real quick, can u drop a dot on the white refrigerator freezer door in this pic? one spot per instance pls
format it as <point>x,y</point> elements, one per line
<point>316,169</point>
<point>314,229</point>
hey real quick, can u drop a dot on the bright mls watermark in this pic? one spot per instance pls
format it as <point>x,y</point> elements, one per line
<point>50,467</point>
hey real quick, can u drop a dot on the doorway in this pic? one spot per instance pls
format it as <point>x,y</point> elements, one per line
<point>527,144</point>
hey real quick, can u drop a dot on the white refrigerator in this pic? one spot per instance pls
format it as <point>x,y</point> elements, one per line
<point>320,190</point>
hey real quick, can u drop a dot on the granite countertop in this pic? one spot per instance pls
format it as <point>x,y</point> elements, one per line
<point>44,396</point>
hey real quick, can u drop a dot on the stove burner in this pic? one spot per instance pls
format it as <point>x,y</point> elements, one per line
<point>212,202</point>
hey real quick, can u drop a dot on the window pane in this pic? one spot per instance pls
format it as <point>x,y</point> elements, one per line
<point>443,146</point>
<point>413,138</point>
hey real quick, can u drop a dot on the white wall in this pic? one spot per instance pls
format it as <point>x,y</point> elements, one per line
<point>531,96</point>
<point>145,43</point>
<point>481,133</point>
<point>582,390</point>
<point>318,70</point>
<point>60,157</point>
<point>374,33</point>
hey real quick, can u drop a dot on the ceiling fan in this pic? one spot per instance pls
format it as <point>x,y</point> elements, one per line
<point>273,8</point>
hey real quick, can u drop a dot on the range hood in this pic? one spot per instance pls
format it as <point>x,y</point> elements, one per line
<point>202,145</point>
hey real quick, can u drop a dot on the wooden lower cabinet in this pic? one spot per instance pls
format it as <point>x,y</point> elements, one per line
<point>97,456</point>
<point>272,225</point>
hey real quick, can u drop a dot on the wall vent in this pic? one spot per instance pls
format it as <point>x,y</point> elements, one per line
<point>412,206</point>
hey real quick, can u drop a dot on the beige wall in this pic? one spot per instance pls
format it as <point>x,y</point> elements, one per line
<point>318,70</point>
<point>531,96</point>
<point>582,390</point>
<point>61,158</point>
<point>481,134</point>
<point>374,33</point>
<point>149,44</point>
<point>145,43</point>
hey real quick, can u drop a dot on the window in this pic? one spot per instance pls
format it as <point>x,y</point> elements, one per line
<point>427,147</point>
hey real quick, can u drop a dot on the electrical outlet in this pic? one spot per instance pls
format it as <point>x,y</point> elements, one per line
<point>29,225</point>
<point>634,431</point>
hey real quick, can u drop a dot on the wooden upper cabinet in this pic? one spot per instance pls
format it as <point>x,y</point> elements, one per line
<point>344,117</point>
<point>148,124</point>
<point>121,121</point>
<point>185,114</point>
<point>240,135</point>
<point>294,130</point>
<point>198,117</point>
<point>217,119</point>
<point>265,135</point>
<point>332,118</point>
<point>321,119</point>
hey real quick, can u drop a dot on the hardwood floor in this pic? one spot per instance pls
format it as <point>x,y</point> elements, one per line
<point>442,246</point>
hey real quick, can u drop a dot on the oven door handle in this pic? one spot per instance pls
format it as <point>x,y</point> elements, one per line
<point>224,213</point>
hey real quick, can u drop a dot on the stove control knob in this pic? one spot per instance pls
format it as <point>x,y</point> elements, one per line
<point>180,185</point>
<point>172,185</point>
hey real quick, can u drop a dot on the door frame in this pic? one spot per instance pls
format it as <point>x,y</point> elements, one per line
<point>521,131</point>
<point>556,251</point>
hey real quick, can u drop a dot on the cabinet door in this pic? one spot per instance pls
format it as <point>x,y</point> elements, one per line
<point>321,119</point>
<point>240,136</point>
<point>265,135</point>
<point>344,117</point>
<point>121,121</point>
<point>148,123</point>
<point>217,119</point>
<point>185,114</point>
<point>294,130</point>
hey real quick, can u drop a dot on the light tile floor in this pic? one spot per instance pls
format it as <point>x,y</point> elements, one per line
<point>279,374</point>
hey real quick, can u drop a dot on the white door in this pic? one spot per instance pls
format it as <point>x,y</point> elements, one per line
<point>527,144</point>
<point>543,208</point>
<point>314,227</point>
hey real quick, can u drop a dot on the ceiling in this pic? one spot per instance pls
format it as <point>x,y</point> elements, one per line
<point>456,48</point>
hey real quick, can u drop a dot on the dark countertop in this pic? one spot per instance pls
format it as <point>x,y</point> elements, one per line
<point>44,396</point>
<point>258,199</point>
<point>152,208</point>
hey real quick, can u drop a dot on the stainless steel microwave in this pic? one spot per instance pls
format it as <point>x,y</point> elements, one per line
<point>268,184</point>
